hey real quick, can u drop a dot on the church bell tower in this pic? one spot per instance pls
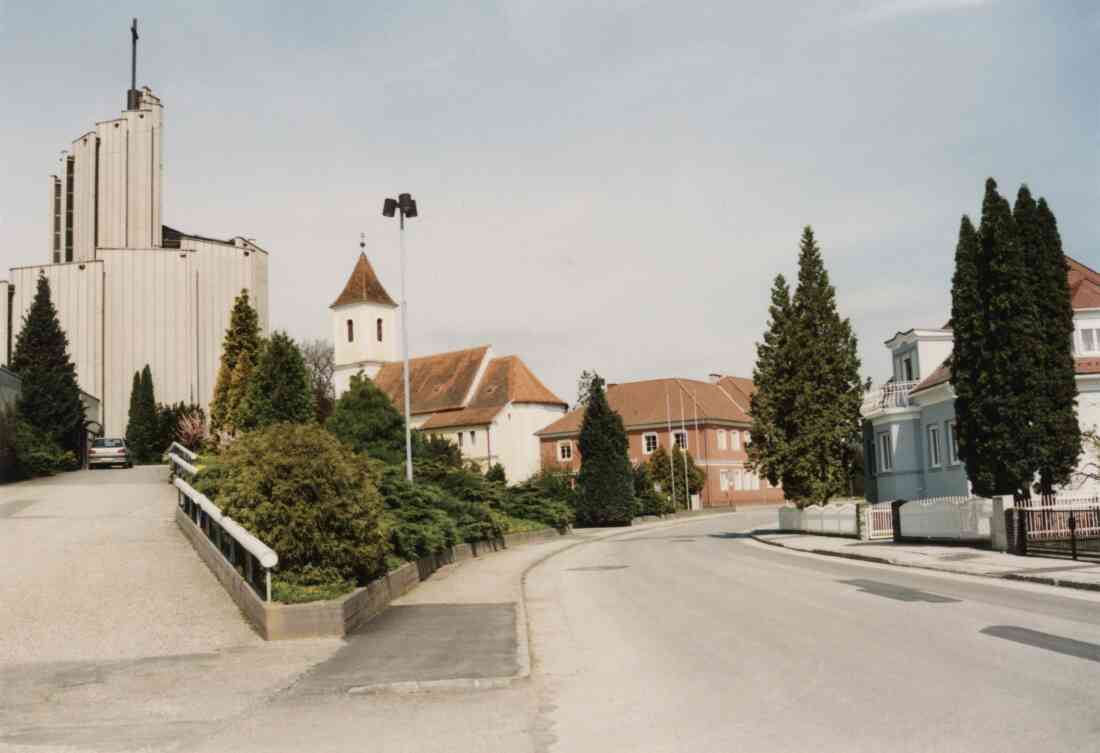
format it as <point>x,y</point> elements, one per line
<point>364,330</point>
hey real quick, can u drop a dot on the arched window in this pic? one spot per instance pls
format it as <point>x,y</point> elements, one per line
<point>379,325</point>
<point>351,331</point>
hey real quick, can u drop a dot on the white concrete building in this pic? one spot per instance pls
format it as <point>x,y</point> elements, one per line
<point>489,406</point>
<point>130,291</point>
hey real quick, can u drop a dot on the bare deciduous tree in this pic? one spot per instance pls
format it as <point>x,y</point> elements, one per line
<point>321,364</point>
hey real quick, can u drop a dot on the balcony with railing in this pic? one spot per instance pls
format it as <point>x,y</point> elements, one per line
<point>890,395</point>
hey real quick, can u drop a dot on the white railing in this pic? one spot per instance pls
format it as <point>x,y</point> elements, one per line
<point>961,518</point>
<point>1071,515</point>
<point>880,521</point>
<point>890,395</point>
<point>246,553</point>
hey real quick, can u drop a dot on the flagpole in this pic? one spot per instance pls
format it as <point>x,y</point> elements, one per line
<point>671,467</point>
<point>706,468</point>
<point>684,431</point>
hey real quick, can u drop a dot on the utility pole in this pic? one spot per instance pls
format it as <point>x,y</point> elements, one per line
<point>405,206</point>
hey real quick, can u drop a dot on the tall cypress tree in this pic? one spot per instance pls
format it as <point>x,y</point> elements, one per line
<point>50,396</point>
<point>242,338</point>
<point>1007,340</point>
<point>135,435</point>
<point>279,390</point>
<point>605,484</point>
<point>771,403</point>
<point>826,389</point>
<point>149,419</point>
<point>1058,440</point>
<point>968,326</point>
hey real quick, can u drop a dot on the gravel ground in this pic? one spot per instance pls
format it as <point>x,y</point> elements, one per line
<point>95,569</point>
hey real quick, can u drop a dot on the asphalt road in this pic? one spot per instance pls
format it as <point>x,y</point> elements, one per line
<point>694,638</point>
<point>688,637</point>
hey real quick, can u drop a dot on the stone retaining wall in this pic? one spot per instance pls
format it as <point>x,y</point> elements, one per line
<point>338,617</point>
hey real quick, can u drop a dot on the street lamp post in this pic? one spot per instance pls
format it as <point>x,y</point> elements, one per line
<point>404,206</point>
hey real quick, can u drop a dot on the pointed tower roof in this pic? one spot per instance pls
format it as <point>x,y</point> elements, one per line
<point>363,287</point>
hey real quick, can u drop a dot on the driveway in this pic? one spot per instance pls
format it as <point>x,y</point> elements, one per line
<point>112,631</point>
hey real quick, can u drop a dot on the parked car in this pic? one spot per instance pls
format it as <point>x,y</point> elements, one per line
<point>109,451</point>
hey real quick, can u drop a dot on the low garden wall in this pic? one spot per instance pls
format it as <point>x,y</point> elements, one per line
<point>835,520</point>
<point>967,519</point>
<point>337,617</point>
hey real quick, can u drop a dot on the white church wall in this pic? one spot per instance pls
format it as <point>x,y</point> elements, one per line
<point>111,187</point>
<point>76,290</point>
<point>221,271</point>
<point>149,319</point>
<point>84,157</point>
<point>514,440</point>
<point>5,287</point>
<point>143,177</point>
<point>1088,418</point>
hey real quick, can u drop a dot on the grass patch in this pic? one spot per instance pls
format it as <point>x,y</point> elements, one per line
<point>294,593</point>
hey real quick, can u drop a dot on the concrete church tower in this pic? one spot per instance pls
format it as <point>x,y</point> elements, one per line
<point>364,326</point>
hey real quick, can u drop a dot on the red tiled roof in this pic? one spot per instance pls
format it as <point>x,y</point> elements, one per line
<point>939,376</point>
<point>363,286</point>
<point>508,380</point>
<point>464,417</point>
<point>438,382</point>
<point>656,401</point>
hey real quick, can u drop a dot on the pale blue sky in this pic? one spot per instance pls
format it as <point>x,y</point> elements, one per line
<point>607,185</point>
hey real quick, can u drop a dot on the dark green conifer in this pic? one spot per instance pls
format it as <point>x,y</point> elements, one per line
<point>50,396</point>
<point>772,428</point>
<point>279,389</point>
<point>242,338</point>
<point>605,484</point>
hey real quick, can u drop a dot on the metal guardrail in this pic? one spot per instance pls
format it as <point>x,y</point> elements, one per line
<point>249,556</point>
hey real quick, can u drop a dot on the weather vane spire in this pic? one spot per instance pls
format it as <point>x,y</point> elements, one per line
<point>133,97</point>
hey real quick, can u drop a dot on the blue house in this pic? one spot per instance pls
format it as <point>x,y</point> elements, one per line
<point>909,441</point>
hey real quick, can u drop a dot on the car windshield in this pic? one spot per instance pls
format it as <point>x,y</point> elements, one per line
<point>108,443</point>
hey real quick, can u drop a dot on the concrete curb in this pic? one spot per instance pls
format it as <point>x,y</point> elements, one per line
<point>524,652</point>
<point>1023,577</point>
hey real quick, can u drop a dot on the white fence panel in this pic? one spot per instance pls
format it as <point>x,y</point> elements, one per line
<point>839,520</point>
<point>960,518</point>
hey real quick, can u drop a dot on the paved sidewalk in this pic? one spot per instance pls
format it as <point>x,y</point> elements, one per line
<point>951,559</point>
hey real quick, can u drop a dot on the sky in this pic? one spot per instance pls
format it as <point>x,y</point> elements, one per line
<point>608,185</point>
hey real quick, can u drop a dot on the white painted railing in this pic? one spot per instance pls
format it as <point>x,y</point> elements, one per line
<point>246,553</point>
<point>1052,522</point>
<point>890,395</point>
<point>880,521</point>
<point>959,518</point>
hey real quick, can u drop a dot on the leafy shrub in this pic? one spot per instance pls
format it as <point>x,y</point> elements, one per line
<point>530,502</point>
<point>366,421</point>
<point>310,584</point>
<point>36,454</point>
<point>650,501</point>
<point>496,474</point>
<point>7,442</point>
<point>301,492</point>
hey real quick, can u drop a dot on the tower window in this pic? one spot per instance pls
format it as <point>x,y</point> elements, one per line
<point>351,331</point>
<point>379,327</point>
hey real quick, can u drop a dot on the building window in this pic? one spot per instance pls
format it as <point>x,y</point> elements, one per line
<point>934,458</point>
<point>735,440</point>
<point>459,439</point>
<point>378,324</point>
<point>351,331</point>
<point>473,438</point>
<point>680,439</point>
<point>565,451</point>
<point>907,367</point>
<point>886,451</point>
<point>1088,341</point>
<point>738,481</point>
<point>649,443</point>
<point>721,439</point>
<point>952,442</point>
<point>724,480</point>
